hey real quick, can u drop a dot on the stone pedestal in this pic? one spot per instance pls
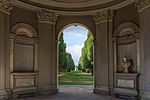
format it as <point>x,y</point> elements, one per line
<point>126,86</point>
<point>23,84</point>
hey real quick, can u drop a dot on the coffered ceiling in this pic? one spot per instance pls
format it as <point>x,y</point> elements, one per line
<point>72,6</point>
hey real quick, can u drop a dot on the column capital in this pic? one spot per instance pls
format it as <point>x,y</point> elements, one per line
<point>111,15</point>
<point>104,16</point>
<point>45,17</point>
<point>5,6</point>
<point>142,4</point>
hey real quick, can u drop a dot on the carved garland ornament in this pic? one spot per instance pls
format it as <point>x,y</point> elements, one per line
<point>47,17</point>
<point>104,16</point>
<point>5,6</point>
<point>142,4</point>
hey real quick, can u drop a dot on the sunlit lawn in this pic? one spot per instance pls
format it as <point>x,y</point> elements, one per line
<point>75,78</point>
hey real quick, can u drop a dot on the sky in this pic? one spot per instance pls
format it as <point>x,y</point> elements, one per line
<point>74,37</point>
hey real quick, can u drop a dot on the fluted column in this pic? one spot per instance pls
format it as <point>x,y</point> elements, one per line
<point>5,9</point>
<point>47,52</point>
<point>143,7</point>
<point>104,61</point>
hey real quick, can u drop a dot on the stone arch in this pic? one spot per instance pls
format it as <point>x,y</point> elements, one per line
<point>24,29</point>
<point>93,45</point>
<point>75,25</point>
<point>83,20</point>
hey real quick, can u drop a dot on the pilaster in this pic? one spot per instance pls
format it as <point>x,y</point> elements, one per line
<point>47,52</point>
<point>103,52</point>
<point>5,9</point>
<point>143,7</point>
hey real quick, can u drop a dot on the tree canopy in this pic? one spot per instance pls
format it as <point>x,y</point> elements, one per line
<point>86,60</point>
<point>65,62</point>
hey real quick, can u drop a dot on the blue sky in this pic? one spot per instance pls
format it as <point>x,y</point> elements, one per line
<point>74,37</point>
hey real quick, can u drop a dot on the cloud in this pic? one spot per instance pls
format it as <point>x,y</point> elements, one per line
<point>76,30</point>
<point>75,51</point>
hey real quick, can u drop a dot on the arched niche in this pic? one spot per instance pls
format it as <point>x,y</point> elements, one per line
<point>23,58</point>
<point>127,44</point>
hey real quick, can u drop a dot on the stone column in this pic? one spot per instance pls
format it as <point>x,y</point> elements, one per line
<point>103,58</point>
<point>5,8</point>
<point>47,52</point>
<point>143,7</point>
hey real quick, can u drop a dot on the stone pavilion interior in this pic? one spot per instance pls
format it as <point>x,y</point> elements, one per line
<point>29,31</point>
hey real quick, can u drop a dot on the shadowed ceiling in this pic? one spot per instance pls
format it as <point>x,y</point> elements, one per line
<point>72,6</point>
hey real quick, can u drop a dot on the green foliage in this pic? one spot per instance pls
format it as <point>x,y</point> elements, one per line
<point>70,63</point>
<point>86,59</point>
<point>65,62</point>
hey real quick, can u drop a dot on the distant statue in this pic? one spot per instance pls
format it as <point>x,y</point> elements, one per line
<point>126,64</point>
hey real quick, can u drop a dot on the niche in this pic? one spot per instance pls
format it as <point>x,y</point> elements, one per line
<point>126,44</point>
<point>23,58</point>
<point>126,60</point>
<point>24,42</point>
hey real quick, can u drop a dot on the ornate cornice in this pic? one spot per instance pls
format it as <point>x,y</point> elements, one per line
<point>47,17</point>
<point>5,6</point>
<point>142,4</point>
<point>104,16</point>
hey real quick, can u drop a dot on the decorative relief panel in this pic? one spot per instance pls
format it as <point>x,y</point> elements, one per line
<point>125,83</point>
<point>24,83</point>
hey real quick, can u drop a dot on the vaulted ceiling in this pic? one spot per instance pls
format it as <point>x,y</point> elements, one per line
<point>72,6</point>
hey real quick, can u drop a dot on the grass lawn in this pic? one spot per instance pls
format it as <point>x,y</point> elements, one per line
<point>75,78</point>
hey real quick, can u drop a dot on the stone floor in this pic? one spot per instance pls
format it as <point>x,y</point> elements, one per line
<point>73,92</point>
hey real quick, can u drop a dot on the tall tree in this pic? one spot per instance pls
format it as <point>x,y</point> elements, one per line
<point>86,59</point>
<point>70,63</point>
<point>62,54</point>
<point>66,62</point>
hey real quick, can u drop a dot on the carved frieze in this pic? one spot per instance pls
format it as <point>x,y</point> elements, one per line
<point>142,4</point>
<point>104,16</point>
<point>5,6</point>
<point>47,17</point>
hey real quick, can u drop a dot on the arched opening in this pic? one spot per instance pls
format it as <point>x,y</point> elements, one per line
<point>83,71</point>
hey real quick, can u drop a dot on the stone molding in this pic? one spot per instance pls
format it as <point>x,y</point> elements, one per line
<point>5,6</point>
<point>24,30</point>
<point>44,17</point>
<point>126,29</point>
<point>104,16</point>
<point>142,4</point>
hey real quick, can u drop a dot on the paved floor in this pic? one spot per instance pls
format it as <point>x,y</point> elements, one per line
<point>73,92</point>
